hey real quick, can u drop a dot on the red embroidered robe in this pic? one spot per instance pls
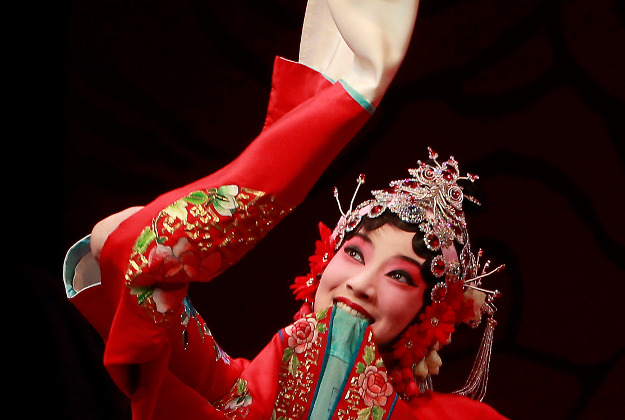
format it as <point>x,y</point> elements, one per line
<point>197,231</point>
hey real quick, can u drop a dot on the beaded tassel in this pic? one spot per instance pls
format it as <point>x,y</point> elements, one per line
<point>475,386</point>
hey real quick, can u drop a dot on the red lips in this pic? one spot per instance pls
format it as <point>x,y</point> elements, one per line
<point>356,307</point>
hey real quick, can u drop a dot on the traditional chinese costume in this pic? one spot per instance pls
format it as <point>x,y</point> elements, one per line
<point>325,365</point>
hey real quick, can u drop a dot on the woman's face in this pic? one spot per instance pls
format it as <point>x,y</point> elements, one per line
<point>378,275</point>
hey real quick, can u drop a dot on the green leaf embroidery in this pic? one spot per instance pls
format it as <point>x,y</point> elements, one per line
<point>364,414</point>
<point>293,365</point>
<point>321,328</point>
<point>274,415</point>
<point>241,386</point>
<point>143,241</point>
<point>287,354</point>
<point>377,412</point>
<point>142,293</point>
<point>379,363</point>
<point>369,355</point>
<point>178,210</point>
<point>196,197</point>
<point>360,367</point>
<point>228,190</point>
<point>322,314</point>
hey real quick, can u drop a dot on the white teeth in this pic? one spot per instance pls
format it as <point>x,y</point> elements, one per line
<point>351,311</point>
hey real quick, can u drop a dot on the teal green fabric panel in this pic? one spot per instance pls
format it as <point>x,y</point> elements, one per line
<point>345,338</point>
<point>329,390</point>
<point>347,335</point>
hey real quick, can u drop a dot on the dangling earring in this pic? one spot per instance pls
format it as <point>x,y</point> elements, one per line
<point>475,386</point>
<point>424,384</point>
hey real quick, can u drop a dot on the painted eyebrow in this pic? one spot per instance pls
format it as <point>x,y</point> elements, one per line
<point>410,260</point>
<point>401,257</point>
<point>364,237</point>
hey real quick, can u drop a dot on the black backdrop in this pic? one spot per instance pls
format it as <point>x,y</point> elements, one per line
<point>527,94</point>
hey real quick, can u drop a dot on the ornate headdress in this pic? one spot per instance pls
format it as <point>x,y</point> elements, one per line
<point>432,199</point>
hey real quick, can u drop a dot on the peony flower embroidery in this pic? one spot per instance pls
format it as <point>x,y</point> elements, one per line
<point>224,201</point>
<point>375,388</point>
<point>302,334</point>
<point>239,404</point>
<point>237,401</point>
<point>170,267</point>
<point>167,300</point>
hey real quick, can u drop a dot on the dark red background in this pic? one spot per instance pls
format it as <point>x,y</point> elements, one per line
<point>528,94</point>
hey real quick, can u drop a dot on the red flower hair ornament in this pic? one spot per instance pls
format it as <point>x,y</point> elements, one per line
<point>305,287</point>
<point>433,199</point>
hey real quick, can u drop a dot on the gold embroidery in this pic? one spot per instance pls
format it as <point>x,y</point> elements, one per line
<point>296,386</point>
<point>228,220</point>
<point>352,398</point>
<point>235,403</point>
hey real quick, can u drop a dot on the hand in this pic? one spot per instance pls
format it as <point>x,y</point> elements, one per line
<point>105,227</point>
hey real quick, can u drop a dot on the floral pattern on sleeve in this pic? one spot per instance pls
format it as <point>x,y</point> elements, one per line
<point>194,239</point>
<point>236,403</point>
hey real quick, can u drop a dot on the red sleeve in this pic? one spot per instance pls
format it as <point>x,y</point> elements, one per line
<point>308,122</point>
<point>259,381</point>
<point>302,135</point>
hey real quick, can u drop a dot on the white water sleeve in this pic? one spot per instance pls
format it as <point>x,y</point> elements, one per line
<point>361,42</point>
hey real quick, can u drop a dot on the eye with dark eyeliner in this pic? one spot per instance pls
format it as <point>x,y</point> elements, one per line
<point>355,254</point>
<point>402,277</point>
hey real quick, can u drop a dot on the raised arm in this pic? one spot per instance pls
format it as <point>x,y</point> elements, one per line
<point>361,42</point>
<point>148,255</point>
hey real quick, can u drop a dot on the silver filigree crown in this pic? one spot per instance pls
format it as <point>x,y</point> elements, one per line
<point>431,198</point>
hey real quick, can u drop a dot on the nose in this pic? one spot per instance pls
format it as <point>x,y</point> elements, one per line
<point>363,285</point>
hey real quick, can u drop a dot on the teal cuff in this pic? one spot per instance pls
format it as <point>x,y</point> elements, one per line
<point>72,258</point>
<point>350,90</point>
<point>357,97</point>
